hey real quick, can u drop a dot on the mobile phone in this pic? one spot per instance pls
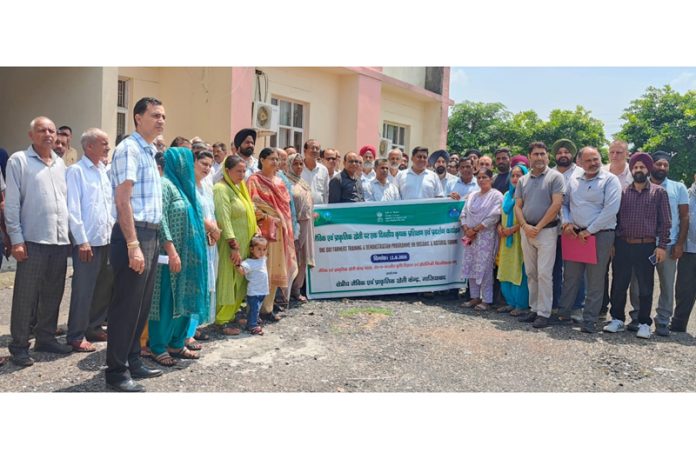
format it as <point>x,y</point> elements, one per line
<point>653,259</point>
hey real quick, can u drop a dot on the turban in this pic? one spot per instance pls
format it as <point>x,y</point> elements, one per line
<point>367,148</point>
<point>434,156</point>
<point>643,158</point>
<point>519,159</point>
<point>564,143</point>
<point>242,135</point>
<point>658,155</point>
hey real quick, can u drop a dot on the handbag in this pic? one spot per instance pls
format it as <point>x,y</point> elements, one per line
<point>269,229</point>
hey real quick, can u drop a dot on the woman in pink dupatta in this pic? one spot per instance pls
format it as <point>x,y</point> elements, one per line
<point>272,200</point>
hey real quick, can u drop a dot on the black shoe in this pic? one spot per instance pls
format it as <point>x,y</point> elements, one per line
<point>540,322</point>
<point>270,317</point>
<point>588,327</point>
<point>143,372</point>
<point>529,318</point>
<point>677,328</point>
<point>632,326</point>
<point>661,330</point>
<point>53,347</point>
<point>125,386</point>
<point>22,359</point>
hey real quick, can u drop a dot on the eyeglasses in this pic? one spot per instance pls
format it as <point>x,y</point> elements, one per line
<point>330,159</point>
<point>354,161</point>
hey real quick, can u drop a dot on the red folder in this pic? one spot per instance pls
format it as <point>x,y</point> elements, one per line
<point>574,249</point>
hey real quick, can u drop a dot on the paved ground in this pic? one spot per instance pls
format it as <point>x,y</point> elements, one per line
<point>388,344</point>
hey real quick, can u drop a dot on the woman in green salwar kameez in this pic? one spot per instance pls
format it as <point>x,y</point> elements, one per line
<point>235,216</point>
<point>181,285</point>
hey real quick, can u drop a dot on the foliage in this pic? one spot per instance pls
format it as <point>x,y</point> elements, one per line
<point>663,119</point>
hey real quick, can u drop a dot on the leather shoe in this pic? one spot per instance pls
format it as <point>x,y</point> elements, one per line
<point>143,372</point>
<point>529,318</point>
<point>127,385</point>
<point>53,347</point>
<point>540,322</point>
<point>22,359</point>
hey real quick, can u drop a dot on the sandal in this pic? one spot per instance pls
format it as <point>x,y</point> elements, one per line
<point>230,330</point>
<point>185,354</point>
<point>164,359</point>
<point>82,346</point>
<point>269,318</point>
<point>145,352</point>
<point>200,335</point>
<point>4,360</point>
<point>257,330</point>
<point>193,345</point>
<point>472,303</point>
<point>503,309</point>
<point>481,307</point>
<point>518,312</point>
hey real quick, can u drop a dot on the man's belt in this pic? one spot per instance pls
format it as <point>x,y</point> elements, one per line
<point>147,225</point>
<point>638,240</point>
<point>553,224</point>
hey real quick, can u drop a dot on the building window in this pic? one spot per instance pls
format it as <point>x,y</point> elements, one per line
<point>291,124</point>
<point>395,133</point>
<point>122,109</point>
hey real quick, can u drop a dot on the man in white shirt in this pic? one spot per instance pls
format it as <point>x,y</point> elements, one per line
<point>91,221</point>
<point>219,155</point>
<point>394,159</point>
<point>244,142</point>
<point>329,158</point>
<point>467,182</point>
<point>418,182</point>
<point>438,161</point>
<point>618,162</point>
<point>368,154</point>
<point>315,174</point>
<point>381,189</point>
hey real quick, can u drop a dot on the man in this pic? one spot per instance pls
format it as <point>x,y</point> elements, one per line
<point>590,206</point>
<point>474,155</point>
<point>159,144</point>
<point>404,161</point>
<point>329,158</point>
<point>453,165</point>
<point>381,189</point>
<point>36,216</point>
<point>438,161</point>
<point>244,142</point>
<point>198,147</point>
<point>418,182</point>
<point>485,162</point>
<point>501,181</point>
<point>685,293</point>
<point>315,174</point>
<point>618,164</point>
<point>346,186</point>
<point>71,155</point>
<point>219,155</point>
<point>368,154</point>
<point>679,214</point>
<point>61,146</point>
<point>466,183</point>
<point>538,198</point>
<point>394,160</point>
<point>564,150</point>
<point>134,245</point>
<point>642,236</point>
<point>91,221</point>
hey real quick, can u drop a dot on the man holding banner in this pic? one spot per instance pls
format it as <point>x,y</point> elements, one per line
<point>588,216</point>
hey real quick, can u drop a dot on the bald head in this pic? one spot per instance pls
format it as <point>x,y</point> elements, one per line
<point>42,132</point>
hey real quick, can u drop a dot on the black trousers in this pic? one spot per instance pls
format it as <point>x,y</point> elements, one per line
<point>685,292</point>
<point>130,304</point>
<point>632,258</point>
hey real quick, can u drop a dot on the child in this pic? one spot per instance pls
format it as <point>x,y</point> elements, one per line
<point>254,269</point>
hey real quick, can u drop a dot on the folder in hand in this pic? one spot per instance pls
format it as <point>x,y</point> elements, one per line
<point>575,249</point>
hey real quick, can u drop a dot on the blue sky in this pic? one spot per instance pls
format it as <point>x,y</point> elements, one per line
<point>605,91</point>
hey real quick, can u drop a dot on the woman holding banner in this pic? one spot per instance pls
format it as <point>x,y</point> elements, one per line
<point>479,219</point>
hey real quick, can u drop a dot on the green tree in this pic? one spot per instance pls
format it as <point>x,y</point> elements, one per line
<point>664,119</point>
<point>476,125</point>
<point>576,125</point>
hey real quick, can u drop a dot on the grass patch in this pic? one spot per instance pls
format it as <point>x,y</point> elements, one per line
<point>352,312</point>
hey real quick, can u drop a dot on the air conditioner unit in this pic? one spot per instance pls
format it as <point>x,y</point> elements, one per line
<point>385,145</point>
<point>264,118</point>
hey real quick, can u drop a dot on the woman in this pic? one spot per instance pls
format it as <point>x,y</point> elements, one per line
<point>204,193</point>
<point>272,201</point>
<point>234,213</point>
<point>479,219</point>
<point>178,293</point>
<point>304,242</point>
<point>513,279</point>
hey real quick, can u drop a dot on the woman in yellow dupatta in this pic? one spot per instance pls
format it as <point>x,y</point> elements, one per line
<point>235,216</point>
<point>272,200</point>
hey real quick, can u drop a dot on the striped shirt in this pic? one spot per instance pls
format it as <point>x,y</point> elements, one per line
<point>134,160</point>
<point>644,214</point>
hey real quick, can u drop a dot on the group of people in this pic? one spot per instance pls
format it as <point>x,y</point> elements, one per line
<point>166,240</point>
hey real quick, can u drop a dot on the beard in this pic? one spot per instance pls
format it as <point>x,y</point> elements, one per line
<point>563,162</point>
<point>394,166</point>
<point>640,177</point>
<point>246,152</point>
<point>659,175</point>
<point>440,170</point>
<point>402,167</point>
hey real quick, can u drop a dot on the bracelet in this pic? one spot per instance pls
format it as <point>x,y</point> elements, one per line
<point>133,244</point>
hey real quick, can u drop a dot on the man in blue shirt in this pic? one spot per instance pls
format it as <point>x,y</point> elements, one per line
<point>685,293</point>
<point>134,245</point>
